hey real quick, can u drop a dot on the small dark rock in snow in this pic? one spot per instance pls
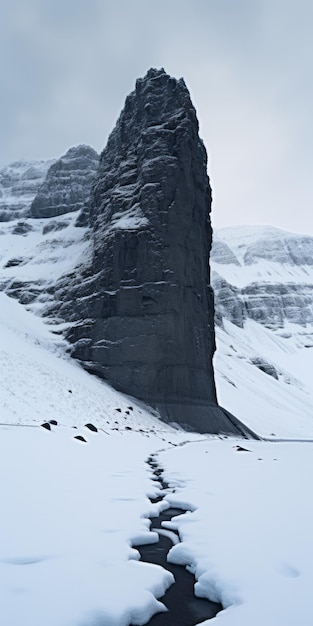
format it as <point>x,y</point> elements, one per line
<point>14,262</point>
<point>265,367</point>
<point>80,438</point>
<point>119,410</point>
<point>130,408</point>
<point>53,422</point>
<point>22,228</point>
<point>92,427</point>
<point>70,391</point>
<point>54,226</point>
<point>46,425</point>
<point>128,428</point>
<point>241,449</point>
<point>127,412</point>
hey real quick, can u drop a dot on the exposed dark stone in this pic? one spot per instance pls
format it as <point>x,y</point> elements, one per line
<point>14,262</point>
<point>54,226</point>
<point>265,367</point>
<point>241,449</point>
<point>66,187</point>
<point>22,228</point>
<point>53,422</point>
<point>46,425</point>
<point>142,306</point>
<point>80,438</point>
<point>92,427</point>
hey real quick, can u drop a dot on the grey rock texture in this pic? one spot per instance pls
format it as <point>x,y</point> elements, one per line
<point>273,305</point>
<point>19,183</point>
<point>66,187</point>
<point>290,249</point>
<point>222,253</point>
<point>265,366</point>
<point>229,303</point>
<point>276,268</point>
<point>142,305</point>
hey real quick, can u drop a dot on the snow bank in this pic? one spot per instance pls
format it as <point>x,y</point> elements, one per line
<point>70,512</point>
<point>248,538</point>
<point>272,408</point>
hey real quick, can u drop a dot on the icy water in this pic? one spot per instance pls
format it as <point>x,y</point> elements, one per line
<point>184,608</point>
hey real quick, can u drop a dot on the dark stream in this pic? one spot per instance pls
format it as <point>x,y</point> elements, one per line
<point>184,608</point>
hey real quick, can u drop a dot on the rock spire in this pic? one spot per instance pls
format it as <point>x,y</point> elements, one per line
<point>142,308</point>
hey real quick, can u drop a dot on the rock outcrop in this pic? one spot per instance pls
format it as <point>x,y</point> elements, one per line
<point>19,183</point>
<point>66,187</point>
<point>141,307</point>
<point>263,274</point>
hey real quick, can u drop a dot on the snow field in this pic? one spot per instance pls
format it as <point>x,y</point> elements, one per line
<point>248,535</point>
<point>70,513</point>
<point>272,408</point>
<point>38,382</point>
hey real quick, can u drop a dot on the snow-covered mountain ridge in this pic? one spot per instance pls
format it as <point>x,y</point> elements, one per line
<point>263,284</point>
<point>19,183</point>
<point>267,273</point>
<point>257,363</point>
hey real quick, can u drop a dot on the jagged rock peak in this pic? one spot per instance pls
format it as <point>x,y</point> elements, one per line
<point>142,307</point>
<point>66,187</point>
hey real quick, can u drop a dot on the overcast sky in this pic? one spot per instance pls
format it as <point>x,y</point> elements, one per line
<point>66,67</point>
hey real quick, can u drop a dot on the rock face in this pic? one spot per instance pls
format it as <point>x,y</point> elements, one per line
<point>66,187</point>
<point>143,307</point>
<point>263,274</point>
<point>19,183</point>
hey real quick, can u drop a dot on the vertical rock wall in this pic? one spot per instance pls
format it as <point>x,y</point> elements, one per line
<point>143,306</point>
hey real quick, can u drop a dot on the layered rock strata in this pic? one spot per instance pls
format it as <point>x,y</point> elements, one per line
<point>66,187</point>
<point>19,184</point>
<point>143,305</point>
<point>263,274</point>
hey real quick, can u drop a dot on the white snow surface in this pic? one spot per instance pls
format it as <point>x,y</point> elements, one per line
<point>44,257</point>
<point>248,533</point>
<point>269,269</point>
<point>70,513</point>
<point>280,408</point>
<point>72,510</point>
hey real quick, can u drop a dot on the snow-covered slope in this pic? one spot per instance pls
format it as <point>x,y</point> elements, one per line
<point>259,363</point>
<point>39,382</point>
<point>72,509</point>
<point>263,283</point>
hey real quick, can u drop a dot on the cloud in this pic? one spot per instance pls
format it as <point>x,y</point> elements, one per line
<point>66,67</point>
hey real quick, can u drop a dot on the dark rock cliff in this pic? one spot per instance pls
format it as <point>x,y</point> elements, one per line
<point>142,305</point>
<point>66,187</point>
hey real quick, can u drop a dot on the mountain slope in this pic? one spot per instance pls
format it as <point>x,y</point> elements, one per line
<point>263,279</point>
<point>263,302</point>
<point>19,183</point>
